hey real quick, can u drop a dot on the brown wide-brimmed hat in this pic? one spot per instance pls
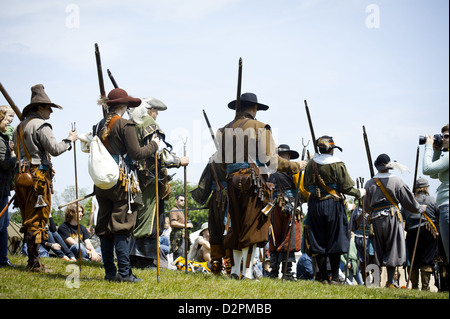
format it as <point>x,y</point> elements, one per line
<point>120,96</point>
<point>38,97</point>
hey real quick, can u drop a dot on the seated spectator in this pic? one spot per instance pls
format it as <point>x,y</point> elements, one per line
<point>305,268</point>
<point>56,243</point>
<point>69,233</point>
<point>164,239</point>
<point>201,249</point>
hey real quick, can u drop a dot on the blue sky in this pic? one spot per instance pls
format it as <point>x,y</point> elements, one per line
<point>382,64</point>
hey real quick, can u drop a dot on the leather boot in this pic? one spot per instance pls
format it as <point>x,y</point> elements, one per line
<point>425,275</point>
<point>34,261</point>
<point>415,279</point>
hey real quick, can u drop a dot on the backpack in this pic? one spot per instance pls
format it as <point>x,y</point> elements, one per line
<point>103,169</point>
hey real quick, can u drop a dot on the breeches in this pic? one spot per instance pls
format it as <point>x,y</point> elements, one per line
<point>31,201</point>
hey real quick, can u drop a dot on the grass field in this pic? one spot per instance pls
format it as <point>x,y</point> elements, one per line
<point>18,283</point>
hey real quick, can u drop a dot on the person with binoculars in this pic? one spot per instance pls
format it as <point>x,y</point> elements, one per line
<point>436,165</point>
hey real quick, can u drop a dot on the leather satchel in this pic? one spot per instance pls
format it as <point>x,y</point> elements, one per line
<point>23,178</point>
<point>242,179</point>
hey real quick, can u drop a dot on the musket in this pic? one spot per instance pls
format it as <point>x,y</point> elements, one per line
<point>313,136</point>
<point>100,76</point>
<point>369,157</point>
<point>157,216</point>
<point>113,81</point>
<point>11,102</point>
<point>210,130</point>
<point>239,85</point>
<point>415,170</point>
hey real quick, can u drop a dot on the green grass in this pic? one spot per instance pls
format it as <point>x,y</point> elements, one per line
<point>18,283</point>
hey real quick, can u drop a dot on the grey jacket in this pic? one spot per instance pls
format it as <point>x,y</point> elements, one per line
<point>396,188</point>
<point>39,140</point>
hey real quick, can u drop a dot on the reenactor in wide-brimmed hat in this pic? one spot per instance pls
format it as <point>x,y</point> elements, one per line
<point>248,153</point>
<point>33,182</point>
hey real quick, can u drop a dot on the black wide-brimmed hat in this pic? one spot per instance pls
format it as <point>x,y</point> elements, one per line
<point>38,97</point>
<point>284,148</point>
<point>248,99</point>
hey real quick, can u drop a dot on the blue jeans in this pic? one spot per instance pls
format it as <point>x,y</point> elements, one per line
<point>4,223</point>
<point>56,238</point>
<point>84,253</point>
<point>443,226</point>
<point>164,243</point>
<point>74,250</point>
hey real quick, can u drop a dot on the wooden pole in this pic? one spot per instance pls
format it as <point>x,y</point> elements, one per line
<point>157,216</point>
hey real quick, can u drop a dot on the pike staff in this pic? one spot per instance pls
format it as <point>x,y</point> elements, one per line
<point>157,216</point>
<point>186,235</point>
<point>76,196</point>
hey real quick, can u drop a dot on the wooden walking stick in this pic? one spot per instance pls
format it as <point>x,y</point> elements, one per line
<point>157,216</point>
<point>186,235</point>
<point>76,196</point>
